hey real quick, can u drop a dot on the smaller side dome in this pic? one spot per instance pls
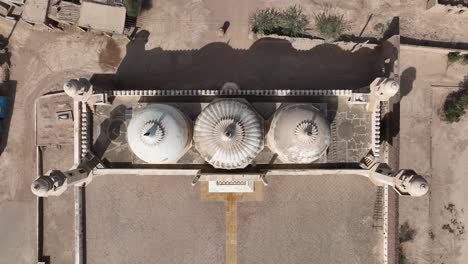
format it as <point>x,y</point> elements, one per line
<point>159,133</point>
<point>299,133</point>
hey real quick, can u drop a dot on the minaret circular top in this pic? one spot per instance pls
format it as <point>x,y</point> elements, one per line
<point>418,186</point>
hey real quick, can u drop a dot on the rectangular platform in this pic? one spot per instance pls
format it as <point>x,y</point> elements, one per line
<point>351,128</point>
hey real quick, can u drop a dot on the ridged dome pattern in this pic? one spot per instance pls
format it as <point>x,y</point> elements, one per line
<point>299,133</point>
<point>152,132</point>
<point>306,131</point>
<point>229,134</point>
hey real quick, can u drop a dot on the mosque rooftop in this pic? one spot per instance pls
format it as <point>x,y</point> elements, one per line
<point>350,126</point>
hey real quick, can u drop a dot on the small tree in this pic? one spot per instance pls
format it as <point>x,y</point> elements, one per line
<point>329,24</point>
<point>455,105</point>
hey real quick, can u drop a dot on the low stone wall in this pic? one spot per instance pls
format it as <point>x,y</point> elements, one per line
<point>452,6</point>
<point>308,43</point>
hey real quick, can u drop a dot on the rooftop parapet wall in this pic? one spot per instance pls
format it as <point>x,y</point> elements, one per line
<point>281,92</point>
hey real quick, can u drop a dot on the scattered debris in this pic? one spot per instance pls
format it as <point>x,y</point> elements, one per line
<point>455,227</point>
<point>407,233</point>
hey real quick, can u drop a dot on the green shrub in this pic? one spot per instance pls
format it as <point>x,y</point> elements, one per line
<point>455,105</point>
<point>453,57</point>
<point>265,21</point>
<point>289,22</point>
<point>329,24</point>
<point>293,22</point>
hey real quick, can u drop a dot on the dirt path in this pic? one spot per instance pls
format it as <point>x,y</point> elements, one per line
<point>437,150</point>
<point>231,229</point>
<point>231,200</point>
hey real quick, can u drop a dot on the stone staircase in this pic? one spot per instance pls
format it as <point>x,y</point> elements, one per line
<point>378,209</point>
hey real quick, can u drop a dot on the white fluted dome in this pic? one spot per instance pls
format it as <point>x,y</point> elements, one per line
<point>229,134</point>
<point>159,133</point>
<point>299,133</point>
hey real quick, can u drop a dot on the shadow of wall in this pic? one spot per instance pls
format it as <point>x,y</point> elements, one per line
<point>267,64</point>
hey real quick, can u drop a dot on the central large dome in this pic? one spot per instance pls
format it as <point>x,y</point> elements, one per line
<point>229,134</point>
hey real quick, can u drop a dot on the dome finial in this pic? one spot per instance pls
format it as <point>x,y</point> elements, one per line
<point>153,132</point>
<point>229,134</point>
<point>159,133</point>
<point>299,133</point>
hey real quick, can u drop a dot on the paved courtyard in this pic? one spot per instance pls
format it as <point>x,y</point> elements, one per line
<point>311,219</point>
<point>302,219</point>
<point>140,219</point>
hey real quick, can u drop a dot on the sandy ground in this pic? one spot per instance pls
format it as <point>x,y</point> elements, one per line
<point>434,24</point>
<point>438,151</point>
<point>41,62</point>
<point>181,25</point>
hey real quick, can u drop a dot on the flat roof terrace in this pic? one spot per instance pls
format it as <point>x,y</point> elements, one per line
<point>351,126</point>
